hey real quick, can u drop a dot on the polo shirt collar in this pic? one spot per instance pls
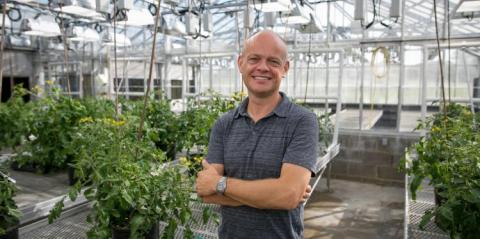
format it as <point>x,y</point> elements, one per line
<point>280,110</point>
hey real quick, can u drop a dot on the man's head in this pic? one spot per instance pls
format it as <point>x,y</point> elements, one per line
<point>263,63</point>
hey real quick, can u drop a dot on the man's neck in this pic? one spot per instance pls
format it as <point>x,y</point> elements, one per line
<point>260,107</point>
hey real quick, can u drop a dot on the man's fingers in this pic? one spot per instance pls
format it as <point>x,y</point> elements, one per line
<point>205,164</point>
<point>308,189</point>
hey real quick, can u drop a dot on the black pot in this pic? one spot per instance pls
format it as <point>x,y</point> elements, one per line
<point>439,200</point>
<point>119,233</point>
<point>24,168</point>
<point>12,234</point>
<point>30,168</point>
<point>71,175</point>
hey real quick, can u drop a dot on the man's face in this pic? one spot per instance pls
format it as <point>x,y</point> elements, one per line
<point>263,64</point>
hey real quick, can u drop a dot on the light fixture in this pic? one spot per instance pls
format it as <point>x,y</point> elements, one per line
<point>20,41</point>
<point>83,8</point>
<point>269,19</point>
<point>8,23</point>
<point>313,26</point>
<point>134,17</point>
<point>85,34</point>
<point>300,13</point>
<point>172,25</point>
<point>359,10</point>
<point>466,9</point>
<point>270,5</point>
<point>44,25</point>
<point>121,40</point>
<point>192,23</point>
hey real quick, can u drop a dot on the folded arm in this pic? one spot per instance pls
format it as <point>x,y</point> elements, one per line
<point>285,192</point>
<point>220,199</point>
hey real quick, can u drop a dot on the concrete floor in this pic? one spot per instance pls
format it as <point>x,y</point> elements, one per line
<point>355,210</point>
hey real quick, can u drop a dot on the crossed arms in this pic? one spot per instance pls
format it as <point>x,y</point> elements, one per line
<point>285,192</point>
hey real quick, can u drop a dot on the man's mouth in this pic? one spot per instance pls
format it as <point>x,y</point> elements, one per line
<point>261,78</point>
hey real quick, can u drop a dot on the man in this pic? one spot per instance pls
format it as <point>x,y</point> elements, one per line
<point>262,154</point>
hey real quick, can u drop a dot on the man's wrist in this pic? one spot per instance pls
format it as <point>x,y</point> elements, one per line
<point>221,185</point>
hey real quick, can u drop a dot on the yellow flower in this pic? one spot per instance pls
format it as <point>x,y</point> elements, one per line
<point>37,89</point>
<point>184,161</point>
<point>49,82</point>
<point>86,120</point>
<point>435,129</point>
<point>118,123</point>
<point>198,159</point>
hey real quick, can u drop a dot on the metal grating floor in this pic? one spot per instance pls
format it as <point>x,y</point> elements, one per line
<point>425,200</point>
<point>74,226</point>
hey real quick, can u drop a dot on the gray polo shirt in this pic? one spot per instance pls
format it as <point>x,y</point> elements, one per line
<point>253,151</point>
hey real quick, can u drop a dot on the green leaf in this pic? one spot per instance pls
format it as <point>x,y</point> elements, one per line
<point>425,219</point>
<point>206,214</point>
<point>414,185</point>
<point>445,213</point>
<point>126,197</point>
<point>136,222</point>
<point>56,211</point>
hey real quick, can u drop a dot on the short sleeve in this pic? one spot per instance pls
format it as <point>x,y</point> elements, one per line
<point>215,145</point>
<point>302,149</point>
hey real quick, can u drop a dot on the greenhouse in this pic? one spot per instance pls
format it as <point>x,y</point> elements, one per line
<point>239,119</point>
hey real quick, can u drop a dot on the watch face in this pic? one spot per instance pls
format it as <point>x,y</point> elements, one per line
<point>221,185</point>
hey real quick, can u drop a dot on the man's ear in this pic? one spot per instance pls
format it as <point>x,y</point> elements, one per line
<point>286,67</point>
<point>239,61</point>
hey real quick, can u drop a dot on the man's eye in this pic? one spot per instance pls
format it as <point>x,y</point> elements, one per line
<point>252,60</point>
<point>275,63</point>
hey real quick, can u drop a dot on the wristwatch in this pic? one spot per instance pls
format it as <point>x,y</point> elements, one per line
<point>221,185</point>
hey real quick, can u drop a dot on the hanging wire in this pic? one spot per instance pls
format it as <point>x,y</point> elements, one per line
<point>378,75</point>
<point>115,79</point>
<point>309,58</point>
<point>449,48</point>
<point>65,50</point>
<point>125,63</point>
<point>152,58</point>
<point>2,45</point>
<point>442,79</point>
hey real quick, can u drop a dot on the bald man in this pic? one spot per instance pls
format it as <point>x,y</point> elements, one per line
<point>262,154</point>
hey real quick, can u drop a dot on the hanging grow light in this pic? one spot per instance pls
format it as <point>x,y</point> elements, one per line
<point>85,34</point>
<point>313,26</point>
<point>8,23</point>
<point>136,17</point>
<point>84,8</point>
<point>44,25</point>
<point>300,14</point>
<point>466,9</point>
<point>270,5</point>
<point>121,40</point>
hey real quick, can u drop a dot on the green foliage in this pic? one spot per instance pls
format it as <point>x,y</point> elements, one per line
<point>325,131</point>
<point>448,156</point>
<point>196,122</point>
<point>15,118</point>
<point>164,125</point>
<point>49,139</point>
<point>9,213</point>
<point>128,181</point>
<point>98,108</point>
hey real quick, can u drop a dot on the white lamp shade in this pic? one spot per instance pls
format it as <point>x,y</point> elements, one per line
<point>270,5</point>
<point>137,18</point>
<point>42,26</point>
<point>84,34</point>
<point>121,40</point>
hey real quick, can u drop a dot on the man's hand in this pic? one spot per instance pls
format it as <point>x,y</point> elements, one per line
<point>207,180</point>
<point>306,194</point>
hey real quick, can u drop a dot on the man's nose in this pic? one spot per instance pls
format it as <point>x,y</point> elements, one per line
<point>262,65</point>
